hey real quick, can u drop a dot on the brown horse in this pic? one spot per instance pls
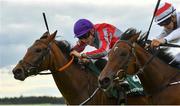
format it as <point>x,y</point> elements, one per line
<point>75,83</point>
<point>128,57</point>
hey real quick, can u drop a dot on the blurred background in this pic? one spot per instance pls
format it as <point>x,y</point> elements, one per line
<point>21,23</point>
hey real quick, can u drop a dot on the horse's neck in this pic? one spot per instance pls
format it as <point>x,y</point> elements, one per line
<point>73,82</point>
<point>156,73</point>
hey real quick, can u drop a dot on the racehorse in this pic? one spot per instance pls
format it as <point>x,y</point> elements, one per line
<point>75,83</point>
<point>128,57</point>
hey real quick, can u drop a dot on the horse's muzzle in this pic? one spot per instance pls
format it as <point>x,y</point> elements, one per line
<point>19,74</point>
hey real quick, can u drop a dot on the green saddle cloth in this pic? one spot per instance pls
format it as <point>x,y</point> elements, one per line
<point>135,85</point>
<point>133,81</point>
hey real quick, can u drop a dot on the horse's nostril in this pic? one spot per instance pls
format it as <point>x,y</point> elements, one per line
<point>17,71</point>
<point>104,83</point>
<point>106,80</point>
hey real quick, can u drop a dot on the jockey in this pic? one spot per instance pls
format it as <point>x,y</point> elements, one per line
<point>101,36</point>
<point>167,18</point>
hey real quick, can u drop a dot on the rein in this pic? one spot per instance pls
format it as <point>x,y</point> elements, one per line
<point>142,67</point>
<point>61,69</point>
<point>88,99</point>
<point>170,45</point>
<point>66,65</point>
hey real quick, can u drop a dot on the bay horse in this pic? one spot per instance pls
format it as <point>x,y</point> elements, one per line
<point>75,83</point>
<point>128,57</point>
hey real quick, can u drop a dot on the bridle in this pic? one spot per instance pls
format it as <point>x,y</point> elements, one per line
<point>141,68</point>
<point>132,53</point>
<point>33,69</point>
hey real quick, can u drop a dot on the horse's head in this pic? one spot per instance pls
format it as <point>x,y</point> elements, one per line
<point>121,60</point>
<point>35,57</point>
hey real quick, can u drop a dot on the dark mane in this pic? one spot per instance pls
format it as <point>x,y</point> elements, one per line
<point>65,46</point>
<point>130,32</point>
<point>163,55</point>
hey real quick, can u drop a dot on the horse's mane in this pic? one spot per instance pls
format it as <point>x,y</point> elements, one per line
<point>163,54</point>
<point>65,46</point>
<point>129,33</point>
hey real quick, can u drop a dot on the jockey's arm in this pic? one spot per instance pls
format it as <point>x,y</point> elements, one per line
<point>173,36</point>
<point>80,46</point>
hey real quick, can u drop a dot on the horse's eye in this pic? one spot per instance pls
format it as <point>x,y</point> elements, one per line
<point>38,50</point>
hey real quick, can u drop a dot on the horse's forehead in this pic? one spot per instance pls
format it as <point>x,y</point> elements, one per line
<point>121,45</point>
<point>37,43</point>
<point>114,49</point>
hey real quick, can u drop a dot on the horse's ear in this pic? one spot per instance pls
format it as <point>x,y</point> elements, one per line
<point>45,35</point>
<point>52,36</point>
<point>135,37</point>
